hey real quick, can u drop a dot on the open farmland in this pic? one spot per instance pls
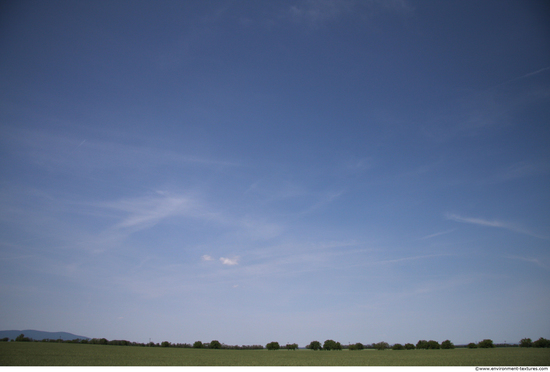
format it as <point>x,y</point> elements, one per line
<point>62,354</point>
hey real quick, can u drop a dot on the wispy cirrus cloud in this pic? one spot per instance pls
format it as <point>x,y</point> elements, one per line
<point>523,76</point>
<point>494,223</point>
<point>70,153</point>
<point>148,211</point>
<point>534,261</point>
<point>520,169</point>
<point>318,12</point>
<point>437,234</point>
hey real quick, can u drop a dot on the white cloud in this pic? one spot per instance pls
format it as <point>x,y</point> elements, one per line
<point>230,261</point>
<point>207,258</point>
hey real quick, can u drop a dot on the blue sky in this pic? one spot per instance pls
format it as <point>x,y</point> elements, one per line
<point>285,171</point>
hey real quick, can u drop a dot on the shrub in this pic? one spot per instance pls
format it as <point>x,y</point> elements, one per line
<point>447,345</point>
<point>398,347</point>
<point>409,346</point>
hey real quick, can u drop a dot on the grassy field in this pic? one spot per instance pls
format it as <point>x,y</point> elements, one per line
<point>54,354</point>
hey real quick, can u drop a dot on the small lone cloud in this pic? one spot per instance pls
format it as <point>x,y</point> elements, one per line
<point>230,261</point>
<point>207,258</point>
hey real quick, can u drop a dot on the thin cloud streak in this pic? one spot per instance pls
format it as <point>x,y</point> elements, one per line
<point>503,225</point>
<point>437,234</point>
<point>522,77</point>
<point>319,12</point>
<point>534,261</point>
<point>404,259</point>
<point>58,150</point>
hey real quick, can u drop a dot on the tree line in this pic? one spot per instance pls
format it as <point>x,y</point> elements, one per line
<point>214,344</point>
<point>313,345</point>
<point>423,344</point>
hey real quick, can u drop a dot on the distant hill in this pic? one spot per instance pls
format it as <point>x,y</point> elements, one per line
<point>41,335</point>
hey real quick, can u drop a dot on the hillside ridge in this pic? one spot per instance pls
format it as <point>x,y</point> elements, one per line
<point>40,335</point>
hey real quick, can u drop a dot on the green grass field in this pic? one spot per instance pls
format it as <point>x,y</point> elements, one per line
<point>62,354</point>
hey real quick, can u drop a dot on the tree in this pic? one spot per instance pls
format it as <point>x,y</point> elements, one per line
<point>22,338</point>
<point>314,345</point>
<point>215,344</point>
<point>381,345</point>
<point>198,345</point>
<point>487,343</point>
<point>447,345</point>
<point>433,344</point>
<point>398,347</point>
<point>291,346</point>
<point>272,346</point>
<point>471,345</point>
<point>332,345</point>
<point>357,346</point>
<point>165,344</point>
<point>409,346</point>
<point>422,344</point>
<point>541,342</point>
<point>525,342</point>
